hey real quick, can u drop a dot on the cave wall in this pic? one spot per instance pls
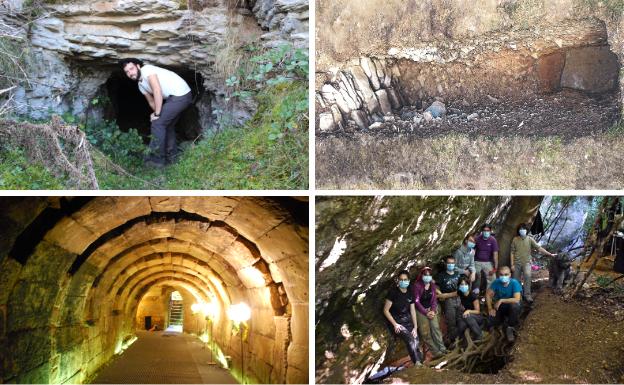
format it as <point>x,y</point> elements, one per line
<point>75,270</point>
<point>459,51</point>
<point>77,45</point>
<point>360,243</point>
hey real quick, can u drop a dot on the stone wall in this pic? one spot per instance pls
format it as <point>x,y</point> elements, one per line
<point>458,51</point>
<point>361,242</point>
<point>72,301</point>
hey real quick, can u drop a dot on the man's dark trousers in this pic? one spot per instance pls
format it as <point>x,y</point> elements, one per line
<point>163,144</point>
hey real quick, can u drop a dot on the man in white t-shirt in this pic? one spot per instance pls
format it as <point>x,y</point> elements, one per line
<point>168,95</point>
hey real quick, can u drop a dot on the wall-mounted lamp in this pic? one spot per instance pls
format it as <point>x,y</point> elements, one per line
<point>210,311</point>
<point>239,314</point>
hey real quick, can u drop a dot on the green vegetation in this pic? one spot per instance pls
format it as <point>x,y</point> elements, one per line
<point>270,151</point>
<point>17,172</point>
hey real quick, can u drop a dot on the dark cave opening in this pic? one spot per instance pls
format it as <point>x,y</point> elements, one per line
<point>130,109</point>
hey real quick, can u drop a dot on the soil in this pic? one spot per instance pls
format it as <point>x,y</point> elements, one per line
<point>575,341</point>
<point>567,114</point>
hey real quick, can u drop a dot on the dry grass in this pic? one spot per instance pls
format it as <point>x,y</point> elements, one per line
<point>462,162</point>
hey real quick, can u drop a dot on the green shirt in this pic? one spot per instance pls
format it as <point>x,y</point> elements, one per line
<point>521,249</point>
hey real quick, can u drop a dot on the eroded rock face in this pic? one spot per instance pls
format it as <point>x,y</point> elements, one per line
<point>463,52</point>
<point>361,242</point>
<point>78,45</point>
<point>75,272</point>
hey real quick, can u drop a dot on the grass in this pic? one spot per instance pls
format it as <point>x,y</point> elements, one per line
<point>461,162</point>
<point>18,173</point>
<point>269,152</point>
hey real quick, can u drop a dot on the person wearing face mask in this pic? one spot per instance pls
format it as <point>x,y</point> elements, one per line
<point>425,300</point>
<point>486,255</point>
<point>446,291</point>
<point>400,312</point>
<point>469,315</point>
<point>464,257</point>
<point>521,247</point>
<point>503,302</point>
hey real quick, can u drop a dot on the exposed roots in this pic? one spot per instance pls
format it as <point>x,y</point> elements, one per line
<point>467,356</point>
<point>63,149</point>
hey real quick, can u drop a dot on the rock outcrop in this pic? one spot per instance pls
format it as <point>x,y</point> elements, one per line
<point>361,242</point>
<point>77,46</point>
<point>462,52</point>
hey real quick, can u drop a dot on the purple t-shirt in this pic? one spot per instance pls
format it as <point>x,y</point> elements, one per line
<point>485,248</point>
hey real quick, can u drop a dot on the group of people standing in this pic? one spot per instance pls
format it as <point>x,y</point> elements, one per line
<point>411,308</point>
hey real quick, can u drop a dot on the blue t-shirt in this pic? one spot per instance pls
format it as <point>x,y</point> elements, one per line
<point>502,292</point>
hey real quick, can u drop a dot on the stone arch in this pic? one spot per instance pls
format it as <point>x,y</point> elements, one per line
<point>230,247</point>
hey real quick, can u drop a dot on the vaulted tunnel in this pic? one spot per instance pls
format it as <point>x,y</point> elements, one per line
<point>80,277</point>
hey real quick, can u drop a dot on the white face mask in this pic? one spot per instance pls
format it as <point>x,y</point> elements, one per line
<point>522,233</point>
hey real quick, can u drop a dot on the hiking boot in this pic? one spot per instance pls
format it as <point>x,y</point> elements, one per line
<point>510,332</point>
<point>152,164</point>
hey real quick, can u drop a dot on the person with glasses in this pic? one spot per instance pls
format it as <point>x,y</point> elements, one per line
<point>503,302</point>
<point>400,312</point>
<point>521,247</point>
<point>426,302</point>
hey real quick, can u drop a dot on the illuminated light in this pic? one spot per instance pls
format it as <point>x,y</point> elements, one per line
<point>210,309</point>
<point>240,312</point>
<point>222,359</point>
<point>121,346</point>
<point>253,276</point>
<point>127,344</point>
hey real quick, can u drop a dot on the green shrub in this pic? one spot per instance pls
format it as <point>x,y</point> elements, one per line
<point>18,173</point>
<point>123,148</point>
<point>270,152</point>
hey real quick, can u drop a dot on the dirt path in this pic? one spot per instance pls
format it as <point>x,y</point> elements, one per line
<point>559,342</point>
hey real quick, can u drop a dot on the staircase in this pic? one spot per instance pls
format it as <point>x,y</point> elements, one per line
<point>176,315</point>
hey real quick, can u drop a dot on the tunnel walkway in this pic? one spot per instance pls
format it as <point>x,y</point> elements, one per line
<point>164,358</point>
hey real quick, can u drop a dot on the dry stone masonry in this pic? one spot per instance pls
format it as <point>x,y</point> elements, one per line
<point>78,276</point>
<point>508,51</point>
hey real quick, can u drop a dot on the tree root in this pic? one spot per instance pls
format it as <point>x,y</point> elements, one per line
<point>492,346</point>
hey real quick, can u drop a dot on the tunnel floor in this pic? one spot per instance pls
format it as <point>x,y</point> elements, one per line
<point>164,358</point>
<point>567,114</point>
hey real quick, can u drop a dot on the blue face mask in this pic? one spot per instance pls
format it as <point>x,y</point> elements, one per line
<point>486,234</point>
<point>471,245</point>
<point>450,266</point>
<point>522,232</point>
<point>463,288</point>
<point>404,283</point>
<point>426,278</point>
<point>505,278</point>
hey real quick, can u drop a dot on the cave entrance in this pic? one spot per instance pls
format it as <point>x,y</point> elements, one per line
<point>130,109</point>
